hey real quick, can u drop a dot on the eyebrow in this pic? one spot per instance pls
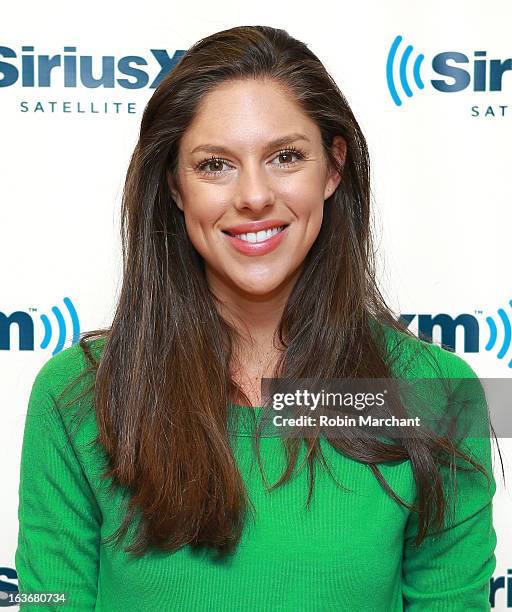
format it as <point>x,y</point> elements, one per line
<point>278,142</point>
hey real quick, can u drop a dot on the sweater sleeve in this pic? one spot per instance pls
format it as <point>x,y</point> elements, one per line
<point>451,571</point>
<point>58,515</point>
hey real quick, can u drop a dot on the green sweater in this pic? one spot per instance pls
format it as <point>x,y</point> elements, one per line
<point>351,550</point>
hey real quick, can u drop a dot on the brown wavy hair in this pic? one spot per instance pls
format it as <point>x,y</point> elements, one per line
<point>162,385</point>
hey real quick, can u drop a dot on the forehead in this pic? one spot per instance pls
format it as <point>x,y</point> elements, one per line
<point>249,113</point>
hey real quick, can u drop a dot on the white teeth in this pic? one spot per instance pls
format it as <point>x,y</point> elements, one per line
<point>260,236</point>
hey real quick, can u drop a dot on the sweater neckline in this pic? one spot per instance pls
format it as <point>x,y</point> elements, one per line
<point>243,419</point>
<point>245,407</point>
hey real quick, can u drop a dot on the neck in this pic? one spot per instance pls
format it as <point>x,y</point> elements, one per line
<point>255,316</point>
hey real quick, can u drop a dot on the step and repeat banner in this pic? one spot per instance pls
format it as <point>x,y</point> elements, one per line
<point>431,86</point>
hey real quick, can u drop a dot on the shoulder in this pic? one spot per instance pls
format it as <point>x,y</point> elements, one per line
<point>417,358</point>
<point>61,401</point>
<point>69,369</point>
<point>454,387</point>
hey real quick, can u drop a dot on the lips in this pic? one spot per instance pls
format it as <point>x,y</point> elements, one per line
<point>256,248</point>
<point>254,226</point>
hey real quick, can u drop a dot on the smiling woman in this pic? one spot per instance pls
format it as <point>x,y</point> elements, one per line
<point>261,182</point>
<point>247,248</point>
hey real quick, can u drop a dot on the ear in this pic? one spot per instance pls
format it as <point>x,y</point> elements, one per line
<point>174,191</point>
<point>339,149</point>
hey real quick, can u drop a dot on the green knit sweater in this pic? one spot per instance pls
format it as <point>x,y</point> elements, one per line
<point>351,550</point>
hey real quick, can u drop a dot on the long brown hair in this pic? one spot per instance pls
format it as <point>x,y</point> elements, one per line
<point>162,385</point>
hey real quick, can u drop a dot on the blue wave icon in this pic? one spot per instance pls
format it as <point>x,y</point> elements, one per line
<point>507,335</point>
<point>402,70</point>
<point>61,326</point>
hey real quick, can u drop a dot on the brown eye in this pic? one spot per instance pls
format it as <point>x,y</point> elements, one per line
<point>287,154</point>
<point>211,166</point>
<point>215,165</point>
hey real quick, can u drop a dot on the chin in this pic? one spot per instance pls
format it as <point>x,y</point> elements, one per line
<point>260,289</point>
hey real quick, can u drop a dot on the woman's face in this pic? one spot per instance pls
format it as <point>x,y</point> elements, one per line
<point>232,172</point>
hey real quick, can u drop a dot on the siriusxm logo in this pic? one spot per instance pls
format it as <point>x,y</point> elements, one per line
<point>485,75</point>
<point>498,583</point>
<point>72,70</point>
<point>25,324</point>
<point>426,323</point>
<point>471,328</point>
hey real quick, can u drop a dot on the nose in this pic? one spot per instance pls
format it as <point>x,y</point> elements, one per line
<point>253,189</point>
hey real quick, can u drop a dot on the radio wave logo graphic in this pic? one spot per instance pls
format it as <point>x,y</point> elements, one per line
<point>507,335</point>
<point>402,70</point>
<point>61,326</point>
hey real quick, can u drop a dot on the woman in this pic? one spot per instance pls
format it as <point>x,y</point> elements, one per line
<point>146,493</point>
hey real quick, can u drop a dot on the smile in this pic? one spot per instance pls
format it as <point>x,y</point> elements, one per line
<point>257,243</point>
<point>261,236</point>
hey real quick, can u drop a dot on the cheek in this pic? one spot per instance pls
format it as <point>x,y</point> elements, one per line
<point>203,206</point>
<point>201,214</point>
<point>306,200</point>
<point>306,188</point>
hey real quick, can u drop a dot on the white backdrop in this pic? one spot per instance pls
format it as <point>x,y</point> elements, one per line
<point>440,170</point>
